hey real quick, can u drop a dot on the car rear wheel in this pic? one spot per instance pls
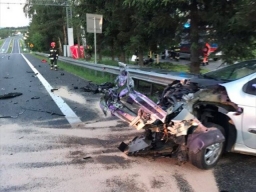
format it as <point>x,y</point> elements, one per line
<point>209,156</point>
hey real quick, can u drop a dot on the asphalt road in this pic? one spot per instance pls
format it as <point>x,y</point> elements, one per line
<point>5,45</point>
<point>60,141</point>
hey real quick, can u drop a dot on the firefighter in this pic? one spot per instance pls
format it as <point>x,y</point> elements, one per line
<point>53,56</point>
<point>175,53</point>
<point>206,53</point>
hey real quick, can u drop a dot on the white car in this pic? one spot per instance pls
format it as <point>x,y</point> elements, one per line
<point>239,128</point>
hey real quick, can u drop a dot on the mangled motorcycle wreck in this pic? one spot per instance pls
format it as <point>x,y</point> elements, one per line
<point>172,127</point>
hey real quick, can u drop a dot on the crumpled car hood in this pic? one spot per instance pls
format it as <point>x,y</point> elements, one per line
<point>204,82</point>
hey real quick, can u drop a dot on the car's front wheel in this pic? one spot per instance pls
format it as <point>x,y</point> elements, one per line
<point>208,157</point>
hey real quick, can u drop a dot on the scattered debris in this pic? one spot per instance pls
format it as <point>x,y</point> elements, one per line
<point>95,88</point>
<point>55,89</point>
<point>9,116</point>
<point>21,137</point>
<point>62,74</point>
<point>30,71</point>
<point>8,77</point>
<point>35,97</point>
<point>10,95</point>
<point>75,87</point>
<point>44,61</point>
<point>89,157</point>
<point>39,110</point>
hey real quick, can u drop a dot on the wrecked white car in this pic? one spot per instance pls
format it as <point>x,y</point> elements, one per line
<point>195,120</point>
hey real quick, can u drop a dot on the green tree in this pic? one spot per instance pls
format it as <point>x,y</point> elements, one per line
<point>38,41</point>
<point>49,22</point>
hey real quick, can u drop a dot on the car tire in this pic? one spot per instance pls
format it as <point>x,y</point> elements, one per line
<point>215,59</point>
<point>209,156</point>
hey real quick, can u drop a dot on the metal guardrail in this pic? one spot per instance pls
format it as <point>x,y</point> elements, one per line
<point>152,77</point>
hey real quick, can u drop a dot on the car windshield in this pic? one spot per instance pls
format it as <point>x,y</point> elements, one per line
<point>233,72</point>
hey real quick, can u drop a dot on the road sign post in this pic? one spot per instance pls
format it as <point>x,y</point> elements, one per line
<point>94,25</point>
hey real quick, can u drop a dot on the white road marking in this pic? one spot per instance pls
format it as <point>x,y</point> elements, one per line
<point>70,115</point>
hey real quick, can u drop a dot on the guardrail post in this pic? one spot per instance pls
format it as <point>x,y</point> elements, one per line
<point>151,89</point>
<point>136,83</point>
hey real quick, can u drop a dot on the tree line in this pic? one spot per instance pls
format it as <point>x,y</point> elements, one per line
<point>151,25</point>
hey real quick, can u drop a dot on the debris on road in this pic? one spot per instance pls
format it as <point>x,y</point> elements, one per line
<point>10,116</point>
<point>35,97</point>
<point>39,110</point>
<point>97,88</point>
<point>89,157</point>
<point>55,89</point>
<point>10,95</point>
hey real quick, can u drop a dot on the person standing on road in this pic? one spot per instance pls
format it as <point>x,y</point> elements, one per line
<point>206,53</point>
<point>53,56</point>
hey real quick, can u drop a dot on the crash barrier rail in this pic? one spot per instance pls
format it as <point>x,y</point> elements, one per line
<point>152,77</point>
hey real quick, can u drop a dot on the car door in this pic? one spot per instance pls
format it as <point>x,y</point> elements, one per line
<point>249,114</point>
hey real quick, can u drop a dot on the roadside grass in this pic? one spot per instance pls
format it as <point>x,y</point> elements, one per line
<point>175,67</point>
<point>22,46</point>
<point>87,74</point>
<point>162,65</point>
<point>1,42</point>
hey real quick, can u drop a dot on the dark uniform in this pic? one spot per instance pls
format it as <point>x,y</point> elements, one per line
<point>53,56</point>
<point>175,53</point>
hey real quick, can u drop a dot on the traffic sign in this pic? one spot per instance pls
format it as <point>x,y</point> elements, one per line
<point>91,25</point>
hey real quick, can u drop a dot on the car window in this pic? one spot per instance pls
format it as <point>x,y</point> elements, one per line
<point>250,87</point>
<point>233,72</point>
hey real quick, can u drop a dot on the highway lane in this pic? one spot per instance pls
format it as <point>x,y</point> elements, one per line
<point>35,105</point>
<point>15,45</point>
<point>5,45</point>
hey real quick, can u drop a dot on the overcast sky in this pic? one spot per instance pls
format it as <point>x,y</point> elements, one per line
<point>11,15</point>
